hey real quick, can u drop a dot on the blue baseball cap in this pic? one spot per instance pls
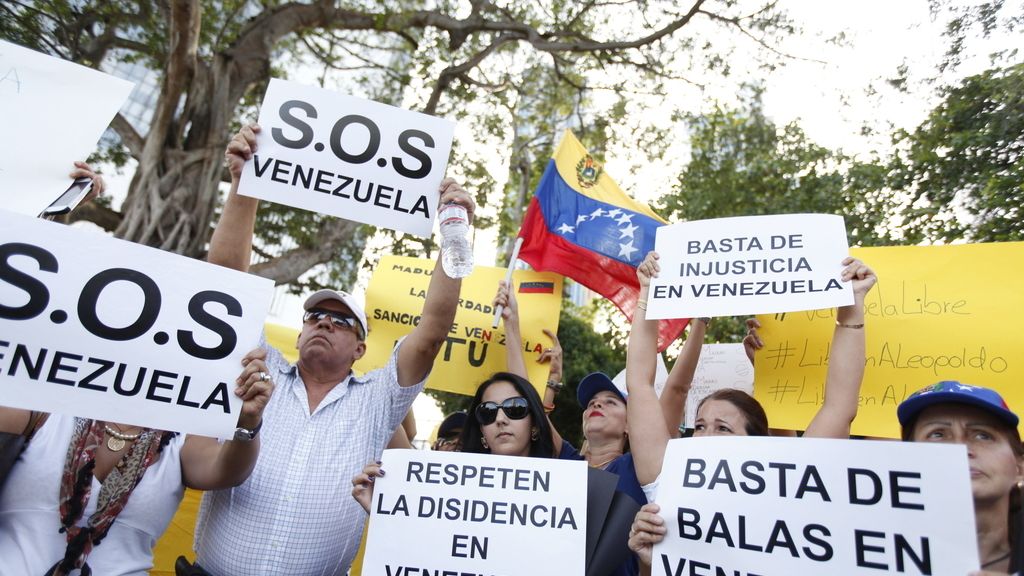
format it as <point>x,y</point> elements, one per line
<point>594,383</point>
<point>951,391</point>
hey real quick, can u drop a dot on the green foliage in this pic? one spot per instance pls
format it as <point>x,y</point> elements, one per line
<point>742,164</point>
<point>586,351</point>
<point>966,159</point>
<point>974,20</point>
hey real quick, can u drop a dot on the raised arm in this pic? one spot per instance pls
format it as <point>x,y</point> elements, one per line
<point>677,387</point>
<point>515,362</point>
<point>648,436</point>
<point>752,341</point>
<point>554,383</point>
<point>231,244</point>
<point>846,359</point>
<point>416,356</point>
<point>209,465</point>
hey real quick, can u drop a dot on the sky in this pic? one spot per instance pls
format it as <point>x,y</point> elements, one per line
<point>824,87</point>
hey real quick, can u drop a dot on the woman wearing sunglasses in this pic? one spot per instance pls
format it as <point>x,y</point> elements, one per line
<point>505,418</point>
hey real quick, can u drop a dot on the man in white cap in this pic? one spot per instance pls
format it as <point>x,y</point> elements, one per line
<point>295,514</point>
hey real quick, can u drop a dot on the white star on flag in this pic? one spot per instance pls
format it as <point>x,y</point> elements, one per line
<point>614,213</point>
<point>628,231</point>
<point>581,218</point>
<point>626,250</point>
<point>596,213</point>
<point>566,229</point>
<point>625,219</point>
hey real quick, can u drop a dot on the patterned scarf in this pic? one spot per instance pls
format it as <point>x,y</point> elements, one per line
<point>76,486</point>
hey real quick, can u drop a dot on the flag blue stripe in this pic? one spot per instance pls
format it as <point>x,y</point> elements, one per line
<point>607,229</point>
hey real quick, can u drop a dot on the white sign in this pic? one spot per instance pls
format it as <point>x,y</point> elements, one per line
<point>107,329</point>
<point>457,513</point>
<point>781,506</point>
<point>348,157</point>
<point>749,265</point>
<point>720,366</point>
<point>52,112</point>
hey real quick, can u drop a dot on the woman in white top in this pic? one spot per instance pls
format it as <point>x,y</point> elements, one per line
<point>732,413</point>
<point>93,497</point>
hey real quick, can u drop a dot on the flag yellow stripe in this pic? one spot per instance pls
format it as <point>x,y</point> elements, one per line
<point>568,155</point>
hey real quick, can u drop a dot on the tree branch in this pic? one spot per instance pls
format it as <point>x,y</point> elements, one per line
<point>290,265</point>
<point>452,72</point>
<point>737,24</point>
<point>102,216</point>
<point>129,137</point>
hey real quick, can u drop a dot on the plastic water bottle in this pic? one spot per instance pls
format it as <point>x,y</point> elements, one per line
<point>456,251</point>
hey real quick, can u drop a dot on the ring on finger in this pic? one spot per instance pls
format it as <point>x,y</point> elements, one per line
<point>264,376</point>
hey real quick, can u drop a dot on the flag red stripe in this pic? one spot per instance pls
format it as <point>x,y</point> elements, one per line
<point>610,278</point>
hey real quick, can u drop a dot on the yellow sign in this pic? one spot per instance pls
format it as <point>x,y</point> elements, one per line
<point>473,350</point>
<point>283,339</point>
<point>937,313</point>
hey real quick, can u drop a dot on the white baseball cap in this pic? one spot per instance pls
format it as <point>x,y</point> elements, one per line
<point>343,297</point>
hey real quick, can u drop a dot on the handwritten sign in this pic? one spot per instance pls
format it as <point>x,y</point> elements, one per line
<point>348,157</point>
<point>720,366</point>
<point>52,112</point>
<point>473,350</point>
<point>779,506</point>
<point>107,329</point>
<point>455,513</point>
<point>937,313</point>
<point>748,265</point>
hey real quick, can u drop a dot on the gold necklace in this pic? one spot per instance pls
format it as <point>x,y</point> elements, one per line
<point>605,463</point>
<point>117,440</point>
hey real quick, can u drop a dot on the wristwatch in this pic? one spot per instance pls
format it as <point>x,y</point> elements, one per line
<point>246,435</point>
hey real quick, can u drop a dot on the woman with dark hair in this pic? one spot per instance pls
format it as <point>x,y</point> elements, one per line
<point>751,414</point>
<point>505,418</point>
<point>732,412</point>
<point>980,419</point>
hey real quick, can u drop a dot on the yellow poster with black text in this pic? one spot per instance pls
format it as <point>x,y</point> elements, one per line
<point>473,350</point>
<point>937,313</point>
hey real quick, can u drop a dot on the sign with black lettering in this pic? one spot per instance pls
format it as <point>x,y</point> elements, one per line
<point>472,350</point>
<point>779,506</point>
<point>750,265</point>
<point>720,366</point>
<point>348,157</point>
<point>107,329</point>
<point>457,513</point>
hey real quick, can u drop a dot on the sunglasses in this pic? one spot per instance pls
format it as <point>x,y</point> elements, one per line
<point>337,318</point>
<point>515,409</point>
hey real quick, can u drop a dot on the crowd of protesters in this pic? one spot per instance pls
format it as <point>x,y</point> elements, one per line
<point>87,496</point>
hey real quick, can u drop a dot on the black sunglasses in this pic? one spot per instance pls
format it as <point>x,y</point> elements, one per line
<point>337,318</point>
<point>515,408</point>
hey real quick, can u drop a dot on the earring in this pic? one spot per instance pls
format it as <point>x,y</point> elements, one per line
<point>484,442</point>
<point>534,433</point>
<point>1020,485</point>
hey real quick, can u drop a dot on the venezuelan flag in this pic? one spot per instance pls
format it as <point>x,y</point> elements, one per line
<point>582,225</point>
